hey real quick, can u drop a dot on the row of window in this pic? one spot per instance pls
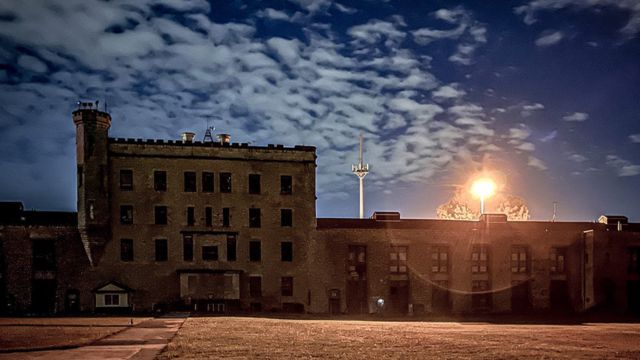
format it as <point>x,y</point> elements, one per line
<point>190,183</point>
<point>161,216</point>
<point>255,286</point>
<point>479,259</point>
<point>209,252</point>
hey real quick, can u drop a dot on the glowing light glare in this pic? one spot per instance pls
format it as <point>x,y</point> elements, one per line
<point>483,188</point>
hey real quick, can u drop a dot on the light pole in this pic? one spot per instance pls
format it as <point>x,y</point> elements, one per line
<point>483,188</point>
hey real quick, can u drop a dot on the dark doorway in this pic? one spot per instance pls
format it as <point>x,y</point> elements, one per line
<point>357,279</point>
<point>399,297</point>
<point>72,301</point>
<point>609,294</point>
<point>559,295</point>
<point>520,297</point>
<point>633,296</point>
<point>43,296</point>
<point>440,302</point>
<point>334,302</point>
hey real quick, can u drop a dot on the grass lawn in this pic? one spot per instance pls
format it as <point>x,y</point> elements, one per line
<point>29,333</point>
<point>243,338</point>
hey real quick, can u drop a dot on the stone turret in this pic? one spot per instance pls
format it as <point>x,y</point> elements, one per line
<point>92,131</point>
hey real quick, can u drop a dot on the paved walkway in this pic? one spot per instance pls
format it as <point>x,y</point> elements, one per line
<point>141,342</point>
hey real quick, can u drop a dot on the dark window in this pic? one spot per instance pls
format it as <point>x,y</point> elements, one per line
<point>440,259</point>
<point>191,216</point>
<point>254,184</point>
<point>519,259</point>
<point>160,215</point>
<point>208,216</point>
<point>189,181</point>
<point>126,179</point>
<point>634,260</point>
<point>226,217</point>
<point>557,257</point>
<point>126,214</point>
<point>286,217</point>
<point>286,184</point>
<point>255,286</point>
<point>286,285</point>
<point>225,182</point>
<point>126,249</point>
<point>187,248</point>
<point>80,175</point>
<point>398,260</point>
<point>480,259</point>
<point>160,180</point>
<point>162,250</point>
<point>44,255</point>
<point>286,251</point>
<point>231,248</point>
<point>207,182</point>
<point>255,251</point>
<point>254,218</point>
<point>210,253</point>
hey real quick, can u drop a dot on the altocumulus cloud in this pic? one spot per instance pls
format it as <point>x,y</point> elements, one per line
<point>163,74</point>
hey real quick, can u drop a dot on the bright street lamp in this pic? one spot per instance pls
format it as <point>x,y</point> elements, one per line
<point>483,188</point>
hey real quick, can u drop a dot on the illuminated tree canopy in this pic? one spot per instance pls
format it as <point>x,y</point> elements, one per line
<point>464,207</point>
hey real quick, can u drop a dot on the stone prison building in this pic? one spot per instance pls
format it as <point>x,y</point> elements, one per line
<point>223,227</point>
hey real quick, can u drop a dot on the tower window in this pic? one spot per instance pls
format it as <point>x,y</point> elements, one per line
<point>126,180</point>
<point>160,180</point>
<point>210,253</point>
<point>226,217</point>
<point>160,215</point>
<point>231,248</point>
<point>255,251</point>
<point>126,249</point>
<point>254,217</point>
<point>286,184</point>
<point>254,184</point>
<point>225,182</point>
<point>187,248</point>
<point>286,217</point>
<point>162,250</point>
<point>126,214</point>
<point>286,251</point>
<point>207,182</point>
<point>189,181</point>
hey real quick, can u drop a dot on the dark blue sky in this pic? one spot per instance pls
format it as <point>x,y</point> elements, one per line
<point>544,94</point>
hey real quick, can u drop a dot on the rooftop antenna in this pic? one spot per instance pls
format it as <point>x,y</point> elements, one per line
<point>555,211</point>
<point>208,137</point>
<point>361,170</point>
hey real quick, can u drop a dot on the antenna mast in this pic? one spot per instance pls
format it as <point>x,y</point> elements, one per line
<point>555,211</point>
<point>208,136</point>
<point>361,170</point>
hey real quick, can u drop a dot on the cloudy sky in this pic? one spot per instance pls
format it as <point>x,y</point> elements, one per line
<point>543,92</point>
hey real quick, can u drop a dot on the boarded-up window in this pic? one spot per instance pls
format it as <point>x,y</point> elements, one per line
<point>398,260</point>
<point>286,286</point>
<point>519,259</point>
<point>557,257</point>
<point>126,180</point>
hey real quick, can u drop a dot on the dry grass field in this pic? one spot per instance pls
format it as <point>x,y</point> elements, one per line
<point>30,333</point>
<point>248,338</point>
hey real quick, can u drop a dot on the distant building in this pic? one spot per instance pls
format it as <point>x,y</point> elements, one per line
<point>220,227</point>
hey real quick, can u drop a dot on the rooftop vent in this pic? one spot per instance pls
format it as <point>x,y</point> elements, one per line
<point>493,218</point>
<point>188,136</point>
<point>613,219</point>
<point>386,216</point>
<point>224,138</point>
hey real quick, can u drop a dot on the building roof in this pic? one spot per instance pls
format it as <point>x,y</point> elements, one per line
<point>214,144</point>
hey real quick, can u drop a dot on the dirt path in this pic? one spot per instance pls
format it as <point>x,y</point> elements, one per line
<point>143,341</point>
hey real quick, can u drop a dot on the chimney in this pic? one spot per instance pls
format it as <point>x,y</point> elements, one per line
<point>224,138</point>
<point>187,136</point>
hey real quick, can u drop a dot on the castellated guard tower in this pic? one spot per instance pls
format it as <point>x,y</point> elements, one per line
<point>92,129</point>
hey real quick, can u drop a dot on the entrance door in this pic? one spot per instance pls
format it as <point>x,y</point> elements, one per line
<point>559,295</point>
<point>43,295</point>
<point>440,297</point>
<point>520,300</point>
<point>357,280</point>
<point>399,296</point>
<point>72,301</point>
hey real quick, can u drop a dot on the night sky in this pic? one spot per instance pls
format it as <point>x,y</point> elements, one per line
<point>544,93</point>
